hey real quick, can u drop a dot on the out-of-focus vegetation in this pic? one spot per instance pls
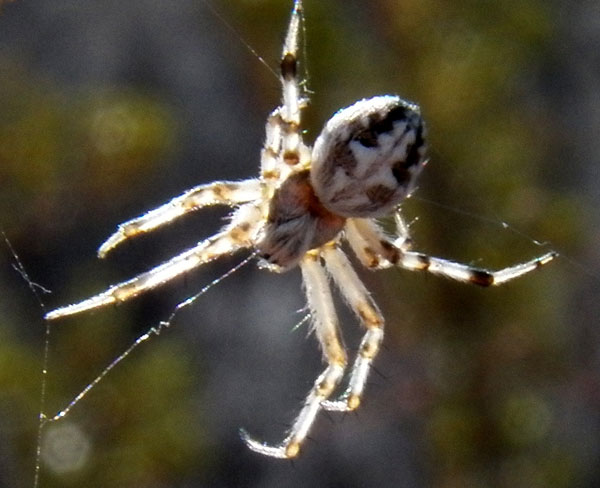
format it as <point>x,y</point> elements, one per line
<point>95,143</point>
<point>101,119</point>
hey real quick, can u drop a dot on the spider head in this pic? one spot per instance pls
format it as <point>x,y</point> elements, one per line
<point>366,159</point>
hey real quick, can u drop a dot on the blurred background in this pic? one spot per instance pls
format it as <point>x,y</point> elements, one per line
<point>109,108</point>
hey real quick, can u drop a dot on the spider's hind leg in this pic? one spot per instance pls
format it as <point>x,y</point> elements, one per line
<point>327,331</point>
<point>216,193</point>
<point>362,304</point>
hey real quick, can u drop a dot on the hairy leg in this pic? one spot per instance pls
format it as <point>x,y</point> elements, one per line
<point>216,193</point>
<point>327,331</point>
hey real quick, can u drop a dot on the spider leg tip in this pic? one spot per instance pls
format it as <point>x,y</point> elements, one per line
<point>287,450</point>
<point>252,443</point>
<point>51,315</point>
<point>107,246</point>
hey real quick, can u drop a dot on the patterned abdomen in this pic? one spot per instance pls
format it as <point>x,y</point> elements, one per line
<point>366,159</point>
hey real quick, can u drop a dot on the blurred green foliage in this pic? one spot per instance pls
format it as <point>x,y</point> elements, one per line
<point>92,144</point>
<point>494,360</point>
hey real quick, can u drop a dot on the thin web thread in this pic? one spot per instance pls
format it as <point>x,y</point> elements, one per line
<point>153,331</point>
<point>35,289</point>
<point>306,79</point>
<point>253,51</point>
<point>497,221</point>
<point>514,230</point>
<point>480,218</point>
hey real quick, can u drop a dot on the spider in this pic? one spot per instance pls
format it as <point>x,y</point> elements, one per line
<point>303,205</point>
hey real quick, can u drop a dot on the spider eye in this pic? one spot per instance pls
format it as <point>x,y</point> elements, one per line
<point>365,160</point>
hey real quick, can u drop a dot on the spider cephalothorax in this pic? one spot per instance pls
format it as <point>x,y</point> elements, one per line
<point>303,206</point>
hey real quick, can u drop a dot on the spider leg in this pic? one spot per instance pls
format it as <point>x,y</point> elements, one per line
<point>403,239</point>
<point>279,129</point>
<point>376,249</point>
<point>290,110</point>
<point>416,261</point>
<point>216,193</point>
<point>237,235</point>
<point>371,245</point>
<point>327,331</point>
<point>269,155</point>
<point>360,301</point>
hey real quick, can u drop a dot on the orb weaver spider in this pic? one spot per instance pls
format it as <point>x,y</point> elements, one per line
<point>305,203</point>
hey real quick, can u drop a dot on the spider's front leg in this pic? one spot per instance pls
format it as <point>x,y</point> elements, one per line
<point>216,193</point>
<point>326,327</point>
<point>240,233</point>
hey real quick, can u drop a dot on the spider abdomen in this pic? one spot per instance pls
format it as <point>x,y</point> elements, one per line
<point>366,159</point>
